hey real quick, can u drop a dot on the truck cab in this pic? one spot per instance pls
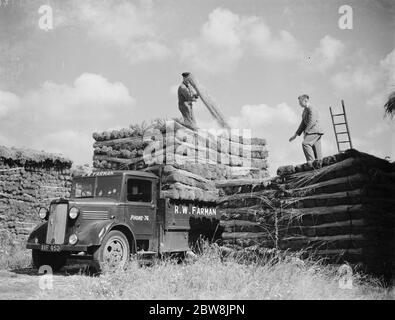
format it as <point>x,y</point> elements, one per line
<point>112,215</point>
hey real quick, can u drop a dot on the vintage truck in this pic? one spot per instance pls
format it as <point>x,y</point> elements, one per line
<point>112,215</point>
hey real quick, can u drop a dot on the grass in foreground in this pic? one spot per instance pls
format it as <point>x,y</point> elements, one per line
<point>213,277</point>
<point>13,254</point>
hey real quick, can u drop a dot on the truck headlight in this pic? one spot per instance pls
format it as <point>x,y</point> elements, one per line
<point>73,239</point>
<point>43,213</point>
<point>73,212</point>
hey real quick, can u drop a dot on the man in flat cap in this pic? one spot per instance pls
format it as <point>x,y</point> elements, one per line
<point>310,126</point>
<point>186,97</point>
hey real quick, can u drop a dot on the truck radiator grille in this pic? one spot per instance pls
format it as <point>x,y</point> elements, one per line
<point>57,223</point>
<point>95,215</point>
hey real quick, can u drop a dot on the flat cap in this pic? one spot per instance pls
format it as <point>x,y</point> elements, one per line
<point>185,74</point>
<point>304,96</point>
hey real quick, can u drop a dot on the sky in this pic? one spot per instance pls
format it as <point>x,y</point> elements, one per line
<point>107,64</point>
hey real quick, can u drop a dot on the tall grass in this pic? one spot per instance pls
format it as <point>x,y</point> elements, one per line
<point>213,276</point>
<point>13,254</point>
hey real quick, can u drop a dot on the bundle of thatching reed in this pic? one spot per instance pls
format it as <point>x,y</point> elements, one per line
<point>343,211</point>
<point>28,180</point>
<point>187,160</point>
<point>341,208</point>
<point>172,142</point>
<point>246,208</point>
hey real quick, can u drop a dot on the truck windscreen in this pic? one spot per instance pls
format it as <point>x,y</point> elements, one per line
<point>109,187</point>
<point>83,187</point>
<point>106,187</point>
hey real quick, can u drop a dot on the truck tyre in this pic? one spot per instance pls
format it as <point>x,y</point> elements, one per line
<point>113,253</point>
<point>56,260</point>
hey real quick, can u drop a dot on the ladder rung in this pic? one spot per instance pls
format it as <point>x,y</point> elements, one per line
<point>342,130</point>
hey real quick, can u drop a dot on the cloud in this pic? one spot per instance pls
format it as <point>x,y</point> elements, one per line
<point>61,118</point>
<point>289,15</point>
<point>226,36</point>
<point>275,124</point>
<point>328,144</point>
<point>223,28</point>
<point>8,102</point>
<point>327,53</point>
<point>388,67</point>
<point>387,81</point>
<point>356,79</point>
<point>262,114</point>
<point>218,47</point>
<point>174,89</point>
<point>374,80</point>
<point>126,25</point>
<point>380,129</point>
<point>282,47</point>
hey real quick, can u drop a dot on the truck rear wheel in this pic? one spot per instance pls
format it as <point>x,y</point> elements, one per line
<point>56,260</point>
<point>113,253</point>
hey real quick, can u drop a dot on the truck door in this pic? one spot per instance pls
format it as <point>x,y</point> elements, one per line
<point>140,205</point>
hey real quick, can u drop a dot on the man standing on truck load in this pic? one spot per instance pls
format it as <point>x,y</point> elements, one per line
<point>311,128</point>
<point>186,97</point>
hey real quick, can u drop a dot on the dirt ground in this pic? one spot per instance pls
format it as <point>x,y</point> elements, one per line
<point>29,284</point>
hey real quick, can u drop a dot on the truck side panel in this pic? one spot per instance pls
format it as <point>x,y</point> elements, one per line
<point>179,214</point>
<point>179,223</point>
<point>174,241</point>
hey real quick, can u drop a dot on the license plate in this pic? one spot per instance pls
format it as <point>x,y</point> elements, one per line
<point>50,247</point>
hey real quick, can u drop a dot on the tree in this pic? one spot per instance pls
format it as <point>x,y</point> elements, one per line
<point>389,106</point>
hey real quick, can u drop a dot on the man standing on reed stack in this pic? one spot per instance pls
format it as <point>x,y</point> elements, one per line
<point>311,128</point>
<point>186,97</point>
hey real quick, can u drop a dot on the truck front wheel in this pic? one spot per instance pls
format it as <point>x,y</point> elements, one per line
<point>56,260</point>
<point>114,251</point>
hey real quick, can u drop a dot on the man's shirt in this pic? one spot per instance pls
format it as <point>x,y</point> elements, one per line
<point>185,94</point>
<point>310,122</point>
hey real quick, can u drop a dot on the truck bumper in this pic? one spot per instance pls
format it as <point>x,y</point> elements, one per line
<point>57,247</point>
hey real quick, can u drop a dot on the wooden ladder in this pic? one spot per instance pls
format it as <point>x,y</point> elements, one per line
<point>343,136</point>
